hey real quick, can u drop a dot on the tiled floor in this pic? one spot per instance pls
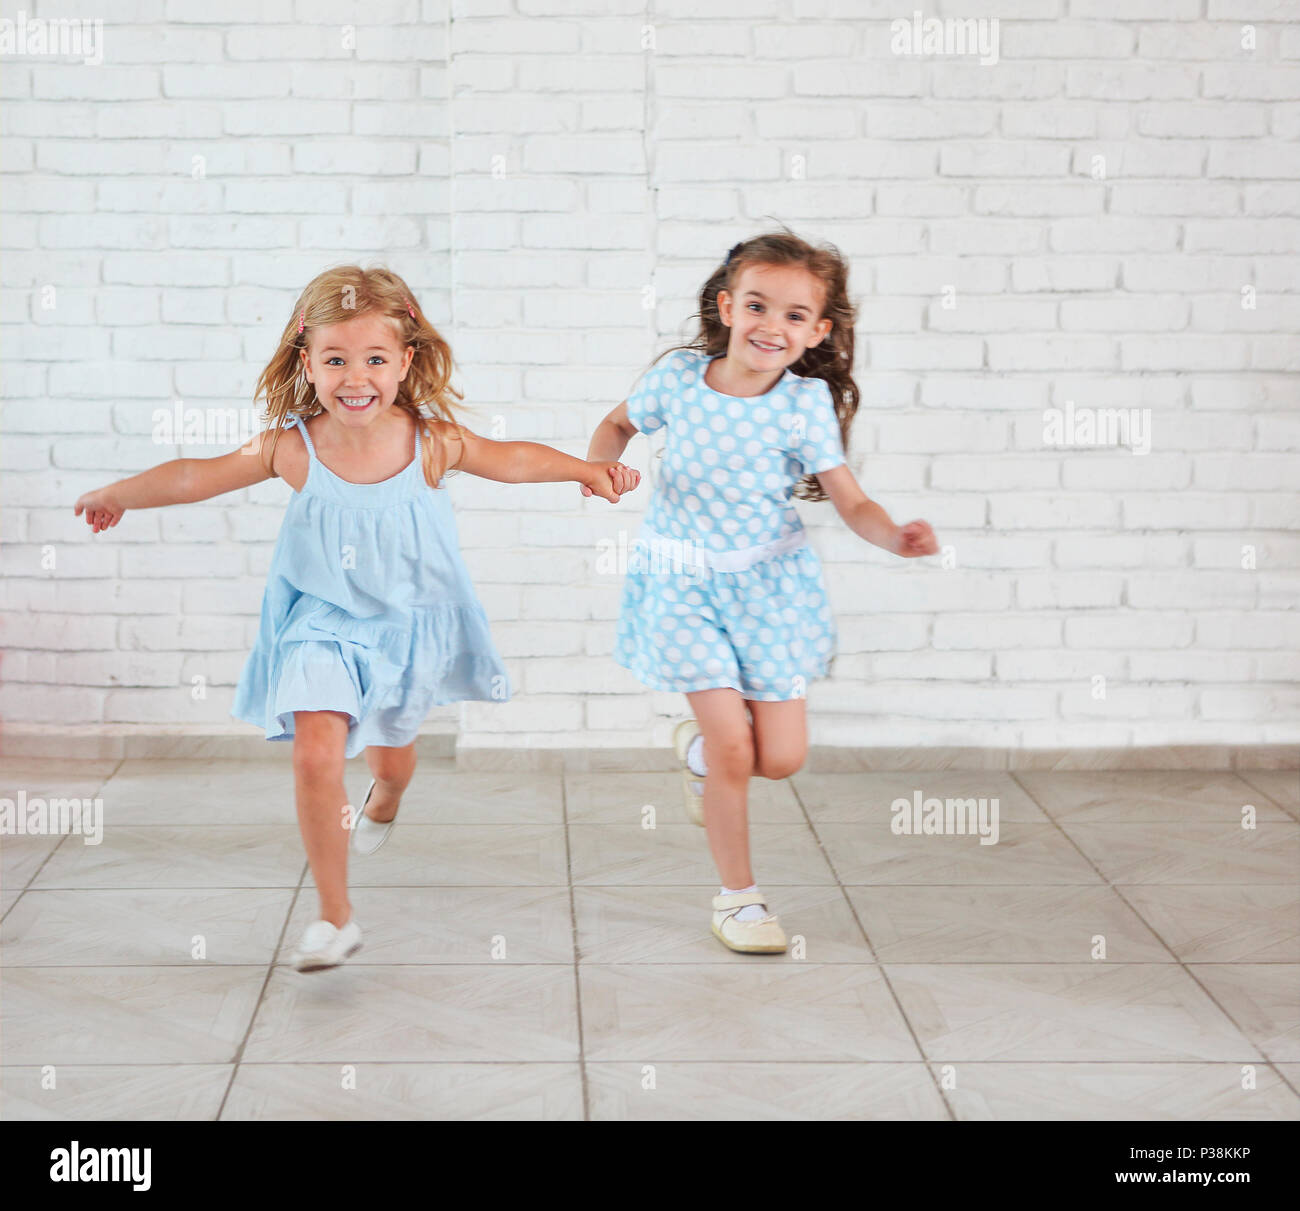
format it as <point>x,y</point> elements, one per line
<point>1126,950</point>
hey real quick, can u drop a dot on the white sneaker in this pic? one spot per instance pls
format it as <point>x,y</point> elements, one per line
<point>325,945</point>
<point>367,834</point>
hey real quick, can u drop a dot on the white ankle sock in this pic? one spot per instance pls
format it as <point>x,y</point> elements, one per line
<point>751,912</point>
<point>695,757</point>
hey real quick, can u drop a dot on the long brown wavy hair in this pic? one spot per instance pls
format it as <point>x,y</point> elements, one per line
<point>345,293</point>
<point>831,360</point>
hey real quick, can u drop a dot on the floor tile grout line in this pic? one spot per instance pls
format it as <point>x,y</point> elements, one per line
<point>615,886</point>
<point>1156,934</point>
<point>1272,798</point>
<point>1114,887</point>
<point>577,954</point>
<point>261,995</point>
<point>1282,1076</point>
<point>1288,821</point>
<point>884,975</point>
<point>1149,926</point>
<point>63,837</point>
<point>1038,1062</point>
<point>1108,884</point>
<point>639,963</point>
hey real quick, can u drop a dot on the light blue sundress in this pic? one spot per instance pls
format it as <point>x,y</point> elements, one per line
<point>368,610</point>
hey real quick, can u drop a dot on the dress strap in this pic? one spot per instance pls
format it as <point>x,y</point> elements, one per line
<point>306,437</point>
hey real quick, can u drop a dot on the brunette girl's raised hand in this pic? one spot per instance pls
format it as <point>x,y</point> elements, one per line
<point>913,539</point>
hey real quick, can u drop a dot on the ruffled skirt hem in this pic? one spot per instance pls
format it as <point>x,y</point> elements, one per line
<point>767,631</point>
<point>385,678</point>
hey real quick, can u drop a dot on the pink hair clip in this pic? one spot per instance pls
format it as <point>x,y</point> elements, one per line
<point>410,309</point>
<point>302,315</point>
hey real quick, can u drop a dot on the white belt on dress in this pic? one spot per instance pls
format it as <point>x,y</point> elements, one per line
<point>682,554</point>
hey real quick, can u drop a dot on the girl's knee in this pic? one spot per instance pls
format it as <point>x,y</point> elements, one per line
<point>318,749</point>
<point>778,766</point>
<point>731,756</point>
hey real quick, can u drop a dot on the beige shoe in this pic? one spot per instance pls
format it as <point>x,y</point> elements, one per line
<point>683,734</point>
<point>750,937</point>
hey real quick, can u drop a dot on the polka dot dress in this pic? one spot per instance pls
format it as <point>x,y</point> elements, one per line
<point>729,467</point>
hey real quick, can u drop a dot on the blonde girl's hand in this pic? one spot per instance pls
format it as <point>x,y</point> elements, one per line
<point>610,480</point>
<point>100,508</point>
<point>915,538</point>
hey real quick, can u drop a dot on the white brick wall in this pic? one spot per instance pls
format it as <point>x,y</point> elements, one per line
<point>1108,217</point>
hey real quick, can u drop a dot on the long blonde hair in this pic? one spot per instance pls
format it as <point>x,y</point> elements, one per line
<point>345,293</point>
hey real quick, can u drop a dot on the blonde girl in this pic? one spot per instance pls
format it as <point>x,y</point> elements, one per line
<point>369,616</point>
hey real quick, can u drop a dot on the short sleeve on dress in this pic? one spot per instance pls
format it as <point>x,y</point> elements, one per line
<point>817,442</point>
<point>647,405</point>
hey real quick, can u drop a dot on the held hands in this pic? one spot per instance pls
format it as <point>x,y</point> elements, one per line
<point>610,480</point>
<point>101,509</point>
<point>915,538</point>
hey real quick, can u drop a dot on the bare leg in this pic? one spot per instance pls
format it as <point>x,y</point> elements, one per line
<point>729,754</point>
<point>391,769</point>
<point>318,745</point>
<point>780,738</point>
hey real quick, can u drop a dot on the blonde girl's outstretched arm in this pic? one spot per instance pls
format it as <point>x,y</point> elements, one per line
<point>869,521</point>
<point>532,462</point>
<point>181,481</point>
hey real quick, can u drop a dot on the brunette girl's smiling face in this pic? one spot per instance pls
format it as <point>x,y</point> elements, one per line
<point>356,366</point>
<point>774,314</point>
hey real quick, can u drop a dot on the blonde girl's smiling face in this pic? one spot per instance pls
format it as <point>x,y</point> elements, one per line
<point>356,367</point>
<point>774,313</point>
